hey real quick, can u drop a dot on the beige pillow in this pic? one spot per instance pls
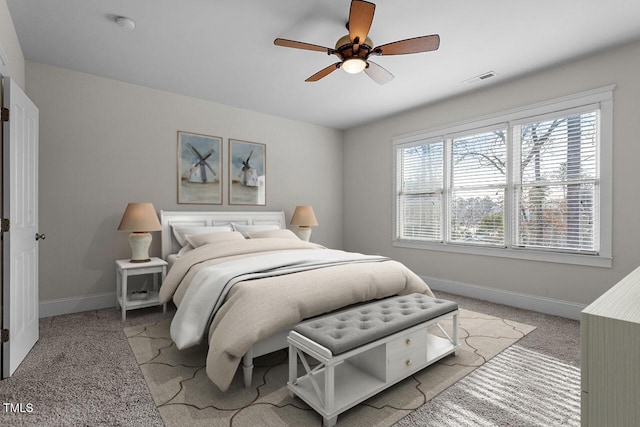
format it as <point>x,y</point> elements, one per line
<point>281,233</point>
<point>246,229</point>
<point>180,232</point>
<point>197,240</point>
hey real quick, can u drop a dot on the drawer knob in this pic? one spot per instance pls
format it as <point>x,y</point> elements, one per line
<point>409,342</point>
<point>409,362</point>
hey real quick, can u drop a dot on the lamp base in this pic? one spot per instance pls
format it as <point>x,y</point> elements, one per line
<point>303,233</point>
<point>140,243</point>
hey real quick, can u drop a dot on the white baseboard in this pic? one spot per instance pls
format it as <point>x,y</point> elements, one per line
<point>570,310</point>
<point>55,307</point>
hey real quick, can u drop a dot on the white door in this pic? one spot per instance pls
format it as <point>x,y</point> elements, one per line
<point>20,206</point>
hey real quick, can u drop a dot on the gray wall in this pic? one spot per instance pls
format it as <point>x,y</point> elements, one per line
<point>105,143</point>
<point>368,193</point>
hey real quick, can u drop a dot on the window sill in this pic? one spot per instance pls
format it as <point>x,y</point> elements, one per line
<point>556,257</point>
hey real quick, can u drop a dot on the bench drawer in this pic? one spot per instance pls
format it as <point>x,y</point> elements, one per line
<point>405,364</point>
<point>407,343</point>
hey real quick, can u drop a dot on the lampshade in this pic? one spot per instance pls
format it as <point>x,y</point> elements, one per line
<point>140,217</point>
<point>354,65</point>
<point>303,216</point>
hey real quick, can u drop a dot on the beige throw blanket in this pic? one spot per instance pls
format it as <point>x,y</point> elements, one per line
<point>256,309</point>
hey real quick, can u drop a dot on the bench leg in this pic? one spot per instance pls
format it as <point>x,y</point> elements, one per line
<point>329,384</point>
<point>329,422</point>
<point>293,368</point>
<point>247,368</point>
<point>456,327</point>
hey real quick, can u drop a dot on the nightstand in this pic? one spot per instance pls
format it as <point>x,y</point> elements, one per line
<point>126,268</point>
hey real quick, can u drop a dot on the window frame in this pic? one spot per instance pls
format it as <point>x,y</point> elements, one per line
<point>601,98</point>
<point>441,190</point>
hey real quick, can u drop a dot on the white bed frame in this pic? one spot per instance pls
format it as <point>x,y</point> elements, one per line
<point>204,218</point>
<point>217,218</point>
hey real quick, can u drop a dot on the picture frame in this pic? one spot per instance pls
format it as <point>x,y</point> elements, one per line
<point>247,173</point>
<point>199,169</point>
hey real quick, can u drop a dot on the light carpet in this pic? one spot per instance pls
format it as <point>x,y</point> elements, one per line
<point>518,387</point>
<point>185,396</point>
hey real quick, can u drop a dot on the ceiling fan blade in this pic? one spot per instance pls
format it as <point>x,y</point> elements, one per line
<point>324,72</point>
<point>414,45</point>
<point>378,73</point>
<point>360,19</point>
<point>301,45</point>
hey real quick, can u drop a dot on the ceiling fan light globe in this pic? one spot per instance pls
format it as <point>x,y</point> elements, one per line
<point>354,65</point>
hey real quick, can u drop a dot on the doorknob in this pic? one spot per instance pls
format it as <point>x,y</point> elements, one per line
<point>40,236</point>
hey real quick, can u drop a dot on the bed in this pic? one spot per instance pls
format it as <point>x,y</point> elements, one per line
<point>286,280</point>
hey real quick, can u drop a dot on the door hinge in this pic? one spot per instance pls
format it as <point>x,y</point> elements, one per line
<point>5,225</point>
<point>5,114</point>
<point>5,335</point>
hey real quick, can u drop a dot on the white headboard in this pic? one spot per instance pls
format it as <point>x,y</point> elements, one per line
<point>204,218</point>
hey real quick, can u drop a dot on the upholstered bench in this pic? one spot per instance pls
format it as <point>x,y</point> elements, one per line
<point>365,349</point>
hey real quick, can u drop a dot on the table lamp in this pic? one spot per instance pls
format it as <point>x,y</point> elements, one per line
<point>140,219</point>
<point>304,218</point>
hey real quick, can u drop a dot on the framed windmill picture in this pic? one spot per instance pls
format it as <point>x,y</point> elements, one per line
<point>199,169</point>
<point>247,173</point>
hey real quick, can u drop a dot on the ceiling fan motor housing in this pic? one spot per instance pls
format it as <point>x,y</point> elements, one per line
<point>348,50</point>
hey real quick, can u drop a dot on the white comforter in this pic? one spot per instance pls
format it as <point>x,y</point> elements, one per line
<point>210,286</point>
<point>257,307</point>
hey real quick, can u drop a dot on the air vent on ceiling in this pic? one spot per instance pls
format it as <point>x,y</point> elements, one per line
<point>481,77</point>
<point>126,23</point>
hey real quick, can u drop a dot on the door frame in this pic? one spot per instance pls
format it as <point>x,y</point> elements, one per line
<point>3,300</point>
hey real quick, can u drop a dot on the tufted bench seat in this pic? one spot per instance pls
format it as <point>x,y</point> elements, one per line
<point>345,330</point>
<point>363,350</point>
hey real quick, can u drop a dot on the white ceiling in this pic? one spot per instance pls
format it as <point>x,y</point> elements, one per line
<point>223,51</point>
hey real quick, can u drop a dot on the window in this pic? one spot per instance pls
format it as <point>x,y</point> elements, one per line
<point>478,187</point>
<point>420,193</point>
<point>533,183</point>
<point>556,186</point>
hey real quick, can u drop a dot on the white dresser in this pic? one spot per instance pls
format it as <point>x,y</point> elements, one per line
<point>610,346</point>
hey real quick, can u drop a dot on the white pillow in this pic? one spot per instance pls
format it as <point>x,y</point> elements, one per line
<point>186,248</point>
<point>179,232</point>
<point>281,233</point>
<point>244,229</point>
<point>197,240</point>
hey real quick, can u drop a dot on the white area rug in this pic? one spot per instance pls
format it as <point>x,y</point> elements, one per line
<point>518,387</point>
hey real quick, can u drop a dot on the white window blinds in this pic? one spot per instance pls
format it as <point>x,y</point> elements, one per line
<point>557,186</point>
<point>419,192</point>
<point>529,183</point>
<point>478,188</point>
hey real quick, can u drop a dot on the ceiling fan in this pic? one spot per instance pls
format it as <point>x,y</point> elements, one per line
<point>355,48</point>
